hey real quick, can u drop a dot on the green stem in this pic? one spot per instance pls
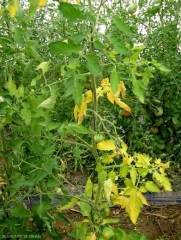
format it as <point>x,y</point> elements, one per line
<point>6,160</point>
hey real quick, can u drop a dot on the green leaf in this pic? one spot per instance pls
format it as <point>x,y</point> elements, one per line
<point>28,69</point>
<point>98,45</point>
<point>74,127</point>
<point>88,188</point>
<point>160,66</point>
<point>10,86</point>
<point>77,94</point>
<point>23,183</point>
<point>70,12</point>
<point>32,8</point>
<point>102,177</point>
<point>85,208</point>
<point>77,152</point>
<point>117,44</point>
<point>124,170</point>
<point>93,65</point>
<point>138,89</point>
<point>20,91</point>
<point>60,216</point>
<point>78,233</point>
<point>115,80</point>
<point>49,103</point>
<point>20,212</point>
<point>19,36</point>
<point>26,113</point>
<point>151,186</point>
<point>110,220</point>
<point>44,66</point>
<point>121,25</point>
<point>65,48</point>
<point>142,171</point>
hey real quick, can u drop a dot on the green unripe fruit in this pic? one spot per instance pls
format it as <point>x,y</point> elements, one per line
<point>98,137</point>
<point>132,8</point>
<point>159,112</point>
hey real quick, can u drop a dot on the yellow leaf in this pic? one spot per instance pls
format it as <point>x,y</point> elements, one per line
<point>88,96</point>
<point>123,105</point>
<point>110,97</point>
<point>78,1</point>
<point>143,160</point>
<point>134,206</point>
<point>1,12</point>
<point>165,165</point>
<point>122,89</point>
<point>114,191</point>
<point>143,199</point>
<point>106,145</point>
<point>122,201</point>
<point>70,205</point>
<point>42,3</point>
<point>13,8</point>
<point>108,158</point>
<point>106,89</point>
<point>133,175</point>
<point>99,92</point>
<point>127,160</point>
<point>124,146</point>
<point>163,180</point>
<point>79,113</point>
<point>105,81</point>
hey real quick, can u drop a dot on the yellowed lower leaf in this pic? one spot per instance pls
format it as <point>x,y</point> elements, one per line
<point>106,145</point>
<point>133,208</point>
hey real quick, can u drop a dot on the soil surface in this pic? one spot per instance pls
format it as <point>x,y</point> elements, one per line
<point>158,223</point>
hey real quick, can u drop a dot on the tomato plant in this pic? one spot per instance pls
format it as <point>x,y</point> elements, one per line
<point>64,82</point>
